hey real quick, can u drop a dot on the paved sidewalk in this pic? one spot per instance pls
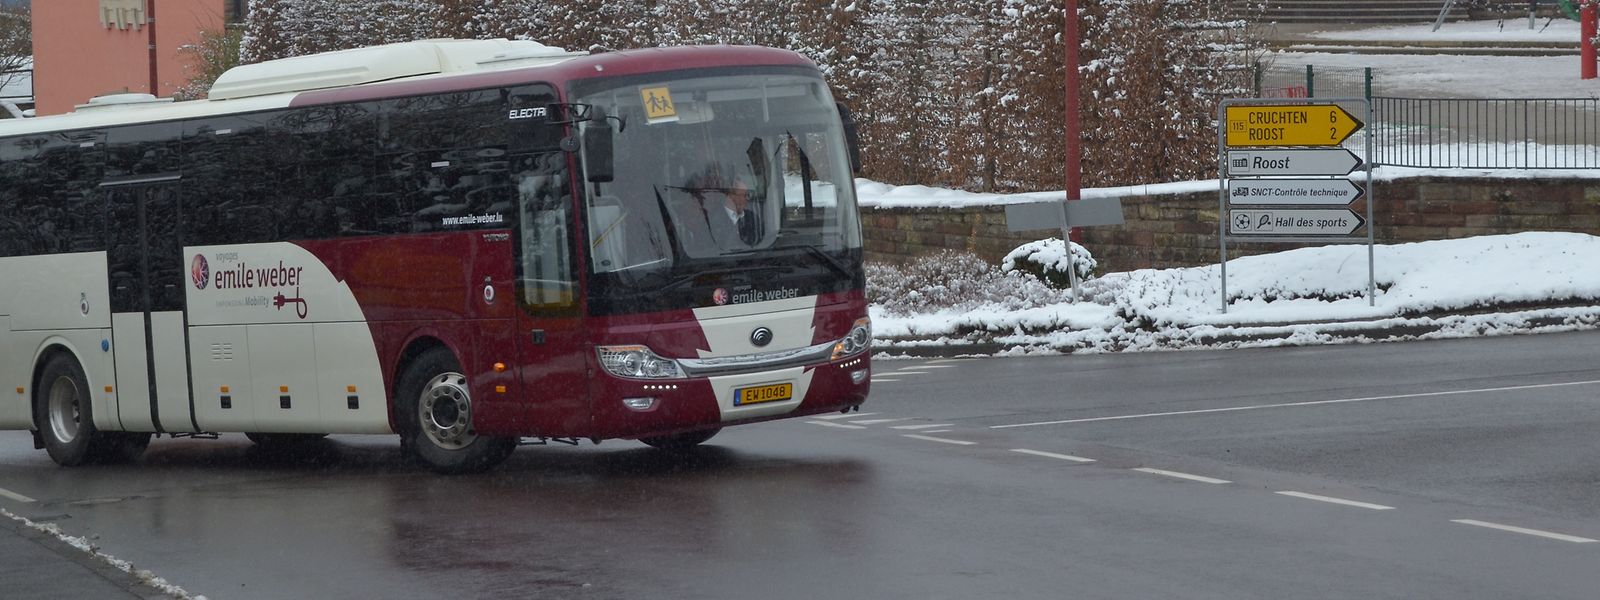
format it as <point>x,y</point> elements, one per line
<point>36,566</point>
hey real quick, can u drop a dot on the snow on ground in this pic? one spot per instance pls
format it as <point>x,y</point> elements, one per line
<point>1506,30</point>
<point>1458,287</point>
<point>93,551</point>
<point>1436,75</point>
<point>1442,75</point>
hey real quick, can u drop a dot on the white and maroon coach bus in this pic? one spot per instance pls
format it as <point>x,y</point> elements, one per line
<point>471,244</point>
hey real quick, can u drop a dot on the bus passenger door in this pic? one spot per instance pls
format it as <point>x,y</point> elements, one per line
<point>145,258</point>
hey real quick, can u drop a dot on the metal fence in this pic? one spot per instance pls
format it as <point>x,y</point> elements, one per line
<point>1522,133</point>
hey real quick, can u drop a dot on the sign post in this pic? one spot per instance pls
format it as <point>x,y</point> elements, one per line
<point>1284,176</point>
<point>1066,216</point>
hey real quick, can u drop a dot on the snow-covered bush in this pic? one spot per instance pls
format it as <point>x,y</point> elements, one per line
<point>953,281</point>
<point>1048,259</point>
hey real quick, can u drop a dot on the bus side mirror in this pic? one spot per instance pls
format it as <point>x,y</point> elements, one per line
<point>851,136</point>
<point>598,152</point>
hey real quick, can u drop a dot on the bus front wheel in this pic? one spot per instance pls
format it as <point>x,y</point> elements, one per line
<point>61,403</point>
<point>435,417</point>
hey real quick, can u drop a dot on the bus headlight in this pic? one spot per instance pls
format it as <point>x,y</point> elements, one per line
<point>859,340</point>
<point>637,362</point>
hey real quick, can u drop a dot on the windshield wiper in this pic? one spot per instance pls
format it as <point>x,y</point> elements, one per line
<point>833,263</point>
<point>681,280</point>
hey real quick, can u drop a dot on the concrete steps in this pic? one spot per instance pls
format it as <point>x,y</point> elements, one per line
<point>1460,48</point>
<point>1357,11</point>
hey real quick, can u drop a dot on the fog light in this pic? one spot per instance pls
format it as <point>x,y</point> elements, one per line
<point>639,404</point>
<point>858,376</point>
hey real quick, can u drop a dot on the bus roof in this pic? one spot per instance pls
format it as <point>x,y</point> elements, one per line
<point>395,70</point>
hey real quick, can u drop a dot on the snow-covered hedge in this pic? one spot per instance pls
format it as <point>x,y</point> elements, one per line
<point>1049,259</point>
<point>953,281</point>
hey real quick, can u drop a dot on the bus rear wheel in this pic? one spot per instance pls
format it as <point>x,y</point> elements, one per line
<point>434,406</point>
<point>679,442</point>
<point>64,416</point>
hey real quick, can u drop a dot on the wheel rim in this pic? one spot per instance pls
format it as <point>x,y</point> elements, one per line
<point>66,414</point>
<point>445,412</point>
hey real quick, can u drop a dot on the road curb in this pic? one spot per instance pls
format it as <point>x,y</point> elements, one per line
<point>123,580</point>
<point>981,343</point>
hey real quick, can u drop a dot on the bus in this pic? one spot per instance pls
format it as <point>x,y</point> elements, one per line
<point>471,244</point>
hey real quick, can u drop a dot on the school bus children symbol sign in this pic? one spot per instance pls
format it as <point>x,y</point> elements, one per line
<point>658,107</point>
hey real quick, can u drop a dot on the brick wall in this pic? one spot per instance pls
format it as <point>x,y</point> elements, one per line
<point>1181,229</point>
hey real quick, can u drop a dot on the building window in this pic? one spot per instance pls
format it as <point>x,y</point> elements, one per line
<point>122,14</point>
<point>233,11</point>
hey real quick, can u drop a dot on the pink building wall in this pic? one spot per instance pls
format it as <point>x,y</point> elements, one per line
<point>76,58</point>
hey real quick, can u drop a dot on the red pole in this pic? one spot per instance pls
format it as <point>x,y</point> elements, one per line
<point>1074,133</point>
<point>1588,57</point>
<point>150,23</point>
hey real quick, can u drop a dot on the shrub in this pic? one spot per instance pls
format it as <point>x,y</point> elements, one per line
<point>953,281</point>
<point>1048,260</point>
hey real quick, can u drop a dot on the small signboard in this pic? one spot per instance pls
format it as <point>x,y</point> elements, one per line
<point>1088,212</point>
<point>1288,125</point>
<point>658,106</point>
<point>1299,162</point>
<point>1317,192</point>
<point>1294,221</point>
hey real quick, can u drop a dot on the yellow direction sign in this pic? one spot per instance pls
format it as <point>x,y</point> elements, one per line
<point>1289,125</point>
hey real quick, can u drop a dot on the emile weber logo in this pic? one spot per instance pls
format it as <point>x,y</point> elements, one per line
<point>722,296</point>
<point>243,276</point>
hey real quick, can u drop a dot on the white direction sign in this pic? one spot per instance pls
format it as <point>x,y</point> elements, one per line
<point>1290,221</point>
<point>1320,192</point>
<point>1292,162</point>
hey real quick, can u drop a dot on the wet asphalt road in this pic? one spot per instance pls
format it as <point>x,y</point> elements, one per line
<point>1359,471</point>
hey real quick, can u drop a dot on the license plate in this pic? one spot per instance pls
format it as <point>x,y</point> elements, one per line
<point>763,393</point>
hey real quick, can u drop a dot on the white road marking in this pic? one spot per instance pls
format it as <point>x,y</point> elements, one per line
<point>1070,457</point>
<point>839,425</point>
<point>1181,475</point>
<point>928,366</point>
<point>938,431</point>
<point>943,360</point>
<point>877,421</point>
<point>940,440</point>
<point>901,372</point>
<point>1523,530</point>
<point>916,427</point>
<point>1331,500</point>
<point>844,416</point>
<point>876,380</point>
<point>15,496</point>
<point>1292,404</point>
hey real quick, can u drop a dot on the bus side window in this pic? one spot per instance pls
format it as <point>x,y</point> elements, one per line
<point>546,276</point>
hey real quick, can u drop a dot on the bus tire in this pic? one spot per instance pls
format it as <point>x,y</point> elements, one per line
<point>63,413</point>
<point>434,410</point>
<point>679,442</point>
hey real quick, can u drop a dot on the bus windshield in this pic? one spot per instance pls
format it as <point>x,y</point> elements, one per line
<point>720,182</point>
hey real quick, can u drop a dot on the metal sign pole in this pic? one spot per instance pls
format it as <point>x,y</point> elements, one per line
<point>1222,196</point>
<point>1372,198</point>
<point>1072,257</point>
